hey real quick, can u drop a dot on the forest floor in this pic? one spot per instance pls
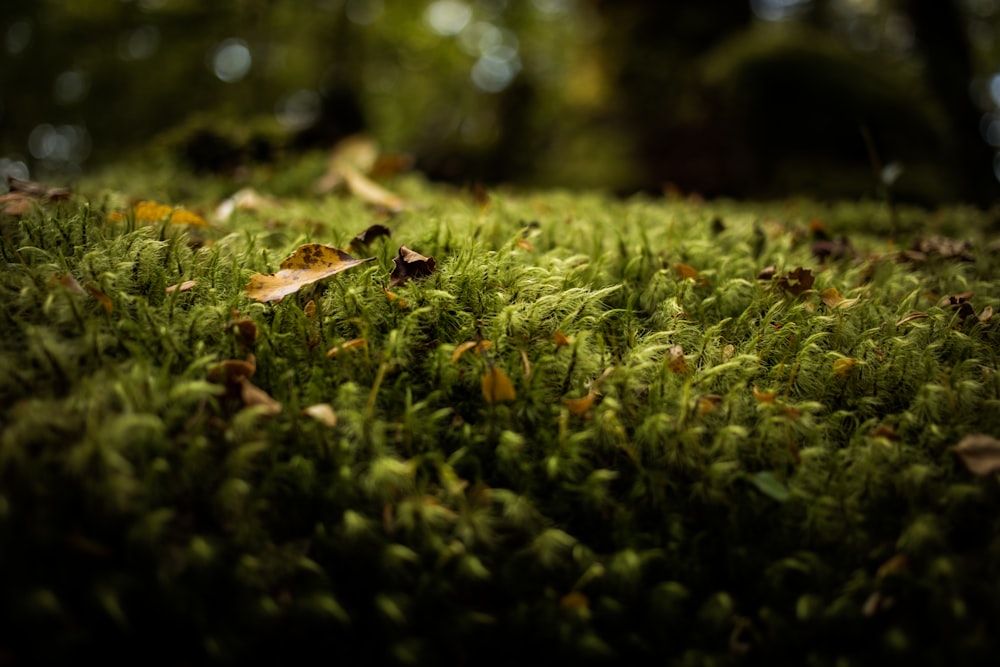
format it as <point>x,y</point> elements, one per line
<point>405,423</point>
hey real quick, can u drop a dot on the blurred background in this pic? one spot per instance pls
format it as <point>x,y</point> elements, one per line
<point>757,99</point>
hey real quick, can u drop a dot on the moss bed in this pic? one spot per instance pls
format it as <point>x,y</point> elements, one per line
<point>731,434</point>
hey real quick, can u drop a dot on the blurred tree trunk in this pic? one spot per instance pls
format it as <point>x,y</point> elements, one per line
<point>942,37</point>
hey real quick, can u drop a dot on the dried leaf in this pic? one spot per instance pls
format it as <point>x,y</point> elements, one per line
<point>370,234</point>
<point>151,211</point>
<point>525,365</point>
<point>797,281</point>
<point>987,314</point>
<point>839,248</point>
<point>579,406</point>
<point>308,264</point>
<point>980,453</point>
<point>309,309</point>
<point>410,265</point>
<point>884,431</point>
<point>69,282</point>
<point>353,344</point>
<point>524,244</point>
<point>764,396</point>
<point>707,404</point>
<point>767,273</point>
<point>911,317</point>
<point>357,152</point>
<point>685,272</point>
<point>831,297</point>
<point>254,396</point>
<point>675,360</point>
<point>246,331</point>
<point>844,365</point>
<point>575,601</point>
<point>960,304</point>
<point>560,339</point>
<point>480,345</point>
<point>245,199</point>
<point>323,413</point>
<point>497,387</point>
<point>101,297</point>
<point>24,195</point>
<point>185,286</point>
<point>939,247</point>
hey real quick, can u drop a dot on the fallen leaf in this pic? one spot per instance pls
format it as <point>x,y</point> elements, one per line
<point>69,282</point>
<point>939,247</point>
<point>254,396</point>
<point>685,271</point>
<point>797,281</point>
<point>357,152</point>
<point>353,344</point>
<point>309,309</point>
<point>911,317</point>
<point>151,211</point>
<point>839,248</point>
<point>497,387</point>
<point>980,453</point>
<point>707,404</point>
<point>308,264</point>
<point>884,431</point>
<point>185,286</point>
<point>479,345</point>
<point>246,331</point>
<point>24,195</point>
<point>410,265</point>
<point>767,273</point>
<point>323,413</point>
<point>370,234</point>
<point>560,339</point>
<point>675,360</point>
<point>844,365</point>
<point>525,244</point>
<point>579,406</point>
<point>987,314</point>
<point>245,199</point>
<point>764,396</point>
<point>960,304</point>
<point>101,297</point>
<point>831,297</point>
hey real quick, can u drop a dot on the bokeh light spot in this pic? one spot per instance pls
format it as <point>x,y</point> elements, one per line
<point>553,6</point>
<point>140,43</point>
<point>298,110</point>
<point>69,87</point>
<point>13,168</point>
<point>492,74</point>
<point>231,60</point>
<point>995,88</point>
<point>778,10</point>
<point>18,37</point>
<point>66,143</point>
<point>448,17</point>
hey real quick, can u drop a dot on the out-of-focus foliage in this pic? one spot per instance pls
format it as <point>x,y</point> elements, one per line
<point>548,92</point>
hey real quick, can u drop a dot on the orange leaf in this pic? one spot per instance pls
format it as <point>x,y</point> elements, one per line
<point>708,403</point>
<point>560,339</point>
<point>831,297</point>
<point>101,297</point>
<point>685,271</point>
<point>579,406</point>
<point>480,346</point>
<point>525,244</point>
<point>308,264</point>
<point>497,387</point>
<point>353,344</point>
<point>764,396</point>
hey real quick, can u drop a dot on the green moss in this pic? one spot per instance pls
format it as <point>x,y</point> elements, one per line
<point>757,499</point>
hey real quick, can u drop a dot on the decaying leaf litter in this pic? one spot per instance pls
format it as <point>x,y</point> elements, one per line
<point>653,414</point>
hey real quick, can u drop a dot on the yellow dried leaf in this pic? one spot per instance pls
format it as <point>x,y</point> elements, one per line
<point>308,264</point>
<point>561,339</point>
<point>708,403</point>
<point>310,309</point>
<point>183,217</point>
<point>675,360</point>
<point>525,244</point>
<point>831,297</point>
<point>461,349</point>
<point>764,396</point>
<point>579,406</point>
<point>182,287</point>
<point>151,211</point>
<point>497,387</point>
<point>844,365</point>
<point>353,344</point>
<point>323,413</point>
<point>371,192</point>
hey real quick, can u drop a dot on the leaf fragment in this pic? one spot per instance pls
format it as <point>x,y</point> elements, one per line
<point>323,413</point>
<point>353,344</point>
<point>369,234</point>
<point>796,281</point>
<point>480,346</point>
<point>410,265</point>
<point>308,264</point>
<point>911,317</point>
<point>980,453</point>
<point>560,339</point>
<point>579,406</point>
<point>686,272</point>
<point>675,360</point>
<point>764,396</point>
<point>497,387</point>
<point>185,286</point>
<point>707,404</point>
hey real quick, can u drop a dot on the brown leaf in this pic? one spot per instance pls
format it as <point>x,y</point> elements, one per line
<point>246,331</point>
<point>980,453</point>
<point>38,190</point>
<point>323,413</point>
<point>767,273</point>
<point>70,283</point>
<point>245,199</point>
<point>839,248</point>
<point>579,406</point>
<point>560,339</point>
<point>101,297</point>
<point>708,403</point>
<point>370,234</point>
<point>309,309</point>
<point>960,304</point>
<point>939,247</point>
<point>885,431</point>
<point>497,387</point>
<point>675,360</point>
<point>254,396</point>
<point>797,281</point>
<point>308,264</point>
<point>684,271</point>
<point>410,265</point>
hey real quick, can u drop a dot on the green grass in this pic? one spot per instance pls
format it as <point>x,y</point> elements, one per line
<point>148,515</point>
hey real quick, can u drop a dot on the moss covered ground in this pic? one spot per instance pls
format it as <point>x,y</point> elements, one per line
<point>731,433</point>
